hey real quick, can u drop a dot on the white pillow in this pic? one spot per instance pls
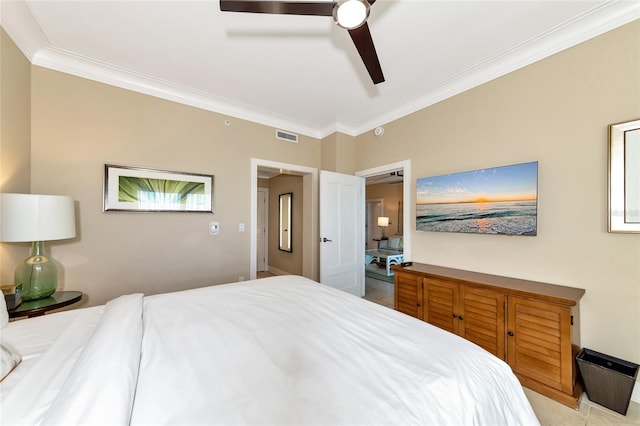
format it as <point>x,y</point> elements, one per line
<point>9,361</point>
<point>4,315</point>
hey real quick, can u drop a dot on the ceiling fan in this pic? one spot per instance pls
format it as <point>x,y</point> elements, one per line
<point>349,14</point>
<point>392,178</point>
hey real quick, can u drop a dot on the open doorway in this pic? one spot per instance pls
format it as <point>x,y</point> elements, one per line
<point>308,246</point>
<point>387,192</point>
<point>279,248</point>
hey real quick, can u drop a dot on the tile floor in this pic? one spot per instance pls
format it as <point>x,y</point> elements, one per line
<point>380,292</point>
<point>549,412</point>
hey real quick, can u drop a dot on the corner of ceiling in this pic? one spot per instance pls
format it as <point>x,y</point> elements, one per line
<point>18,21</point>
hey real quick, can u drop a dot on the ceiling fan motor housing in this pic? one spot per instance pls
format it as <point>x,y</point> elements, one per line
<point>350,14</point>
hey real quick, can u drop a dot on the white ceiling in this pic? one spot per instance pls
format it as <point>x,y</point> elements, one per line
<point>302,73</point>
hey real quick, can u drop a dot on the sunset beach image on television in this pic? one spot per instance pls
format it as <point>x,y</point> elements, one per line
<point>498,200</point>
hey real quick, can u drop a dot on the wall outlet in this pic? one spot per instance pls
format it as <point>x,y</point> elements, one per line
<point>241,278</point>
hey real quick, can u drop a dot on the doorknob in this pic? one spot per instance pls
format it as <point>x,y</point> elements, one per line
<point>326,240</point>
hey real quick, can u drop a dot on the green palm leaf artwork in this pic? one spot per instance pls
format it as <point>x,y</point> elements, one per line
<point>160,193</point>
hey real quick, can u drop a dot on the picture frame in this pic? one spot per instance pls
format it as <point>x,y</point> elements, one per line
<point>498,200</point>
<point>624,177</point>
<point>285,202</point>
<point>137,189</point>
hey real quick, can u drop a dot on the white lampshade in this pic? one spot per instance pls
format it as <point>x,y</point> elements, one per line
<point>32,217</point>
<point>383,221</point>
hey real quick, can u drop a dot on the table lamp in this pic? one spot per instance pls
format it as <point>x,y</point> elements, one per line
<point>383,222</point>
<point>36,219</point>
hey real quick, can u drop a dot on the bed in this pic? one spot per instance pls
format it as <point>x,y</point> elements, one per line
<point>276,351</point>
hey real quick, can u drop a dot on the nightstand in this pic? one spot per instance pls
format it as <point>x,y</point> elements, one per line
<point>36,308</point>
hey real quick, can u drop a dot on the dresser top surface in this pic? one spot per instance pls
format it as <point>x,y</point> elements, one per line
<point>516,286</point>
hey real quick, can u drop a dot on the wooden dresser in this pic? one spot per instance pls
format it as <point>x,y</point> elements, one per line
<point>533,326</point>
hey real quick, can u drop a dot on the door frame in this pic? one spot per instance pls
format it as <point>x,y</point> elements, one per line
<point>309,214</point>
<point>266,230</point>
<point>406,197</point>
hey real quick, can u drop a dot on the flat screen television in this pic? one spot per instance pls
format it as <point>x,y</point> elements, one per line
<point>498,200</point>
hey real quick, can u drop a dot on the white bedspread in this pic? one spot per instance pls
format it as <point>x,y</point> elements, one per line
<point>283,351</point>
<point>32,338</point>
<point>287,351</point>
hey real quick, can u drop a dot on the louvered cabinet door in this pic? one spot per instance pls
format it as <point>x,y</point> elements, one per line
<point>481,319</point>
<point>408,294</point>
<point>539,342</point>
<point>441,304</point>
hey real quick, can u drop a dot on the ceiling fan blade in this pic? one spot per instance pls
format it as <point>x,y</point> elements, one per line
<point>319,8</point>
<point>364,43</point>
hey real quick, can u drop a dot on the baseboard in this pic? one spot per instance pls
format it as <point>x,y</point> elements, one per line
<point>277,271</point>
<point>569,399</point>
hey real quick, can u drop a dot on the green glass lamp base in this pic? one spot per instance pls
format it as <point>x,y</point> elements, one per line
<point>38,274</point>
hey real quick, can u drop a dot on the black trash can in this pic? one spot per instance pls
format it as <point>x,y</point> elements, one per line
<point>608,381</point>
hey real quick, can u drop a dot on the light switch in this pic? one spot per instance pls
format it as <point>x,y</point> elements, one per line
<point>214,228</point>
<point>241,227</point>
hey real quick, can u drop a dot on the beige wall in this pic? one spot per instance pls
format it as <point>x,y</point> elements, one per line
<point>79,125</point>
<point>15,135</point>
<point>556,112</point>
<point>290,262</point>
<point>391,194</point>
<point>339,153</point>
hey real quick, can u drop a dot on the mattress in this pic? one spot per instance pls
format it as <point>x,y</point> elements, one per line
<point>282,350</point>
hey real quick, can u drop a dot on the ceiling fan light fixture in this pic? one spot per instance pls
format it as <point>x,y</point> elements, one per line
<point>351,14</point>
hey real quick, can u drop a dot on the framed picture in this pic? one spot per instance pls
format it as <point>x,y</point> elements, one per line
<point>624,177</point>
<point>498,200</point>
<point>134,189</point>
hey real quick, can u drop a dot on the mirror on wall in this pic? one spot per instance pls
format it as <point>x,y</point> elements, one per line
<point>624,177</point>
<point>284,224</point>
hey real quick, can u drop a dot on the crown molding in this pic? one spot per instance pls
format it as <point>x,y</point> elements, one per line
<point>17,20</point>
<point>593,23</point>
<point>71,63</point>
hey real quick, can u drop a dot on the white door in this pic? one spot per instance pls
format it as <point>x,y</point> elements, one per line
<point>342,232</point>
<point>262,236</point>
